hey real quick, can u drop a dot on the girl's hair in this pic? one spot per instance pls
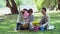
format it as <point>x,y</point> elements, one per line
<point>30,10</point>
<point>25,9</point>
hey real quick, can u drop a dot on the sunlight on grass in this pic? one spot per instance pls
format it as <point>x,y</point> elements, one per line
<point>4,27</point>
<point>12,21</point>
<point>3,23</point>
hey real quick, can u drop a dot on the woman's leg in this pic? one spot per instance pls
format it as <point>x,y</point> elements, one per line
<point>45,28</point>
<point>27,26</point>
<point>17,28</point>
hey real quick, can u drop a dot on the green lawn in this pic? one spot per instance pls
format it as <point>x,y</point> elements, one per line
<point>8,25</point>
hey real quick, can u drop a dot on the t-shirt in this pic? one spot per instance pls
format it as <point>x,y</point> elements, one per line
<point>31,18</point>
<point>45,19</point>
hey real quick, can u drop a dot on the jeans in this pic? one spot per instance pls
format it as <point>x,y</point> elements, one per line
<point>45,28</point>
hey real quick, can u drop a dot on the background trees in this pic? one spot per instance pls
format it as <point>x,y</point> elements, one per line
<point>59,4</point>
<point>12,6</point>
<point>39,3</point>
<point>45,3</point>
<point>2,3</point>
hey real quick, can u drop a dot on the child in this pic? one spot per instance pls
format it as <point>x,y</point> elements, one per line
<point>31,18</point>
<point>26,14</point>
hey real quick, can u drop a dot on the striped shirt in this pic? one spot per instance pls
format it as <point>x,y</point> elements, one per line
<point>45,20</point>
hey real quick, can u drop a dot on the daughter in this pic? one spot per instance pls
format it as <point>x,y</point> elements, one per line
<point>31,19</point>
<point>26,14</point>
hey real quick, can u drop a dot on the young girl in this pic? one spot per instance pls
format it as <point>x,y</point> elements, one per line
<point>26,14</point>
<point>31,18</point>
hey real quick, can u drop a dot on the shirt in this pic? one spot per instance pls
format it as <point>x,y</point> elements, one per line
<point>45,20</point>
<point>31,18</point>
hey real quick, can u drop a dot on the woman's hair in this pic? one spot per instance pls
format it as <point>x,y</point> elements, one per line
<point>30,10</point>
<point>25,9</point>
<point>22,11</point>
<point>44,9</point>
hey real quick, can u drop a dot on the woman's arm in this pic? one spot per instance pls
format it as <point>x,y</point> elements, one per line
<point>18,18</point>
<point>47,21</point>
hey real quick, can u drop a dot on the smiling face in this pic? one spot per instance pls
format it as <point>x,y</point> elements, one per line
<point>30,11</point>
<point>43,11</point>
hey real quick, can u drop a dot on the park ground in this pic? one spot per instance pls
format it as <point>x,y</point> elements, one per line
<point>8,24</point>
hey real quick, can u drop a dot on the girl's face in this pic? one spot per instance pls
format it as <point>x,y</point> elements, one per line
<point>30,13</point>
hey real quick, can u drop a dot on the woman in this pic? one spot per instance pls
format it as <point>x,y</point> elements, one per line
<point>44,20</point>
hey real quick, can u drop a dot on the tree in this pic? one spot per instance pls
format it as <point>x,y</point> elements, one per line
<point>39,3</point>
<point>45,3</point>
<point>19,3</point>
<point>12,6</point>
<point>59,4</point>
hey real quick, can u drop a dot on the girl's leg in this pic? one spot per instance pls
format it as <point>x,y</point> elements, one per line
<point>30,27</point>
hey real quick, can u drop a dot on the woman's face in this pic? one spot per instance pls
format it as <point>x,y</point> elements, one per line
<point>22,12</point>
<point>43,11</point>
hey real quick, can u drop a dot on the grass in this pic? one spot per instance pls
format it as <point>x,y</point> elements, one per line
<point>8,25</point>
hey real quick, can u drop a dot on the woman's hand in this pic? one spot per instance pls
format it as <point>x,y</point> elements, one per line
<point>42,26</point>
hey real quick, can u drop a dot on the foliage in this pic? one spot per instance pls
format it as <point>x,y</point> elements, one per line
<point>39,3</point>
<point>2,3</point>
<point>18,2</point>
<point>45,3</point>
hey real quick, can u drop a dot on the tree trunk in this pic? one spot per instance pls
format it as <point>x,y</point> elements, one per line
<point>59,4</point>
<point>8,4</point>
<point>12,6</point>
